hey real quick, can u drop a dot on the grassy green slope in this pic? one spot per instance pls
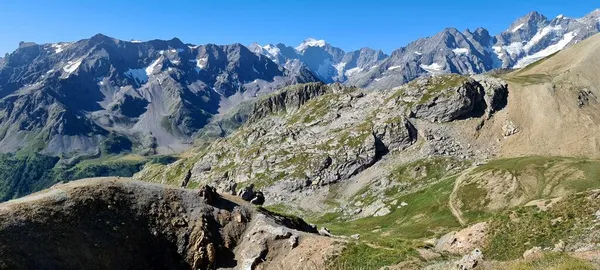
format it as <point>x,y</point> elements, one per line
<point>22,174</point>
<point>556,201</point>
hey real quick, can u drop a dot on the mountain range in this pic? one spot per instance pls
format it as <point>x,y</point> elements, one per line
<point>156,94</point>
<point>153,97</point>
<point>526,40</point>
<point>494,171</point>
<point>485,171</point>
<point>459,151</point>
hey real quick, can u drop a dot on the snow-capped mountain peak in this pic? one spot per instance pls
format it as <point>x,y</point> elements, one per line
<point>271,50</point>
<point>528,39</point>
<point>531,21</point>
<point>310,42</point>
<point>592,18</point>
<point>595,13</point>
<point>534,37</point>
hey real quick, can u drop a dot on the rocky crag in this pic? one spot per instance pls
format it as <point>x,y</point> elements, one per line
<point>123,224</point>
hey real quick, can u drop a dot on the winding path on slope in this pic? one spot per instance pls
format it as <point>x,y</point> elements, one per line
<point>456,211</point>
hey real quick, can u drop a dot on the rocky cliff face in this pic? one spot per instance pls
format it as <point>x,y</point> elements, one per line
<point>112,223</point>
<point>290,99</point>
<point>444,99</point>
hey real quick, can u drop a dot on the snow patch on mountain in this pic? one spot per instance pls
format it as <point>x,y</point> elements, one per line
<point>514,49</point>
<point>72,66</point>
<point>340,68</point>
<point>459,51</point>
<point>517,28</point>
<point>353,71</point>
<point>434,68</point>
<point>138,74</point>
<point>310,42</point>
<point>151,67</point>
<point>495,53</point>
<point>272,51</point>
<point>394,67</point>
<point>541,34</point>
<point>201,63</point>
<point>567,38</point>
<point>498,51</point>
<point>59,47</point>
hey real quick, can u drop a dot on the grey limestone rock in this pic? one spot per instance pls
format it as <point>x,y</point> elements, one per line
<point>470,261</point>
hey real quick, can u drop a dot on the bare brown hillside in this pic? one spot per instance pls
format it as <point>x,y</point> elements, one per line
<point>554,105</point>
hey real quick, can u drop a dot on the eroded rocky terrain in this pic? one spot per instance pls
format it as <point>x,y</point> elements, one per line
<point>111,223</point>
<point>288,149</point>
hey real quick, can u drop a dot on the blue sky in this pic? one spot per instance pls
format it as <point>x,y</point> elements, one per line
<point>381,24</point>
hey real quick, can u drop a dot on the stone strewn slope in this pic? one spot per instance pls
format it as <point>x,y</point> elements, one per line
<point>297,140</point>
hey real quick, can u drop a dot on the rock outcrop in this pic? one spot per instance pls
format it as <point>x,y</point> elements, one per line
<point>464,240</point>
<point>509,128</point>
<point>444,104</point>
<point>470,261</point>
<point>250,195</point>
<point>447,98</point>
<point>496,93</point>
<point>112,223</point>
<point>290,99</point>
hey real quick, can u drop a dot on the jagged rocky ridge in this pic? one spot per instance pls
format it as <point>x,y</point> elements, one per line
<point>287,99</point>
<point>534,37</point>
